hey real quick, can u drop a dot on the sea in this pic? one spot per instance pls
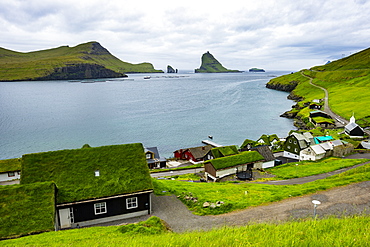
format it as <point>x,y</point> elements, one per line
<point>167,111</point>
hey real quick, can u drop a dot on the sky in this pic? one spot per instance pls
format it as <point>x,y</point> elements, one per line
<point>271,34</point>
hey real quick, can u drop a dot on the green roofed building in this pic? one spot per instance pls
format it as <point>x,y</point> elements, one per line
<point>10,169</point>
<point>26,209</point>
<point>94,185</point>
<point>223,151</point>
<point>218,168</point>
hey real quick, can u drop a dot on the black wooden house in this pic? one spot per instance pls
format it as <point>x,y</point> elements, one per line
<point>94,185</point>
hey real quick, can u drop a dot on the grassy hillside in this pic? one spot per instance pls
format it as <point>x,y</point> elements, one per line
<point>346,81</point>
<point>349,231</point>
<point>211,65</point>
<point>64,60</point>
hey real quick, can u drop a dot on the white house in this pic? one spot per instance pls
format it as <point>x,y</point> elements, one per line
<point>314,152</point>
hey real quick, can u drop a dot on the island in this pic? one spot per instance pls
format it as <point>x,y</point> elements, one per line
<point>170,69</point>
<point>256,70</point>
<point>85,61</point>
<point>211,65</point>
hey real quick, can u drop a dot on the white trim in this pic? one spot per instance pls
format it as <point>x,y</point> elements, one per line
<point>131,202</point>
<point>109,219</point>
<point>105,198</point>
<point>100,208</point>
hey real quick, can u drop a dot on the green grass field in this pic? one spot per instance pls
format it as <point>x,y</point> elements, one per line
<point>243,195</point>
<point>350,231</point>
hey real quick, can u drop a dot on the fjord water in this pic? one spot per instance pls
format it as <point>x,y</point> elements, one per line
<point>170,111</point>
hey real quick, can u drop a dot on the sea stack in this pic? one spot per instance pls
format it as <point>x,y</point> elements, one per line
<point>211,65</point>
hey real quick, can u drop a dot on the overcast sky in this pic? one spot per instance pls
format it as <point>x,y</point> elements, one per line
<point>274,35</point>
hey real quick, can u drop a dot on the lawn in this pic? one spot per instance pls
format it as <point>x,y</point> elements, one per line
<point>309,168</point>
<point>350,231</point>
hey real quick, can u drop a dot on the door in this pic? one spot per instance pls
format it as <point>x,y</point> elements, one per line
<point>65,218</point>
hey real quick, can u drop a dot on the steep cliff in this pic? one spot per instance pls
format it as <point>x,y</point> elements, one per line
<point>211,65</point>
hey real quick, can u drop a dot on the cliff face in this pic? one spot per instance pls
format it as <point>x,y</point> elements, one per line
<point>211,65</point>
<point>81,71</point>
<point>283,87</point>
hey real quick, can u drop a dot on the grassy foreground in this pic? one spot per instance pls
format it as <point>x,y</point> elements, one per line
<point>242,195</point>
<point>350,231</point>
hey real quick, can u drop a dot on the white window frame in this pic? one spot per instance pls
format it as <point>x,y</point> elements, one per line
<point>11,174</point>
<point>131,202</point>
<point>100,208</point>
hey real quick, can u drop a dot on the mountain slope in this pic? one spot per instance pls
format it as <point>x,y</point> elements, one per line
<point>346,80</point>
<point>84,61</point>
<point>211,65</point>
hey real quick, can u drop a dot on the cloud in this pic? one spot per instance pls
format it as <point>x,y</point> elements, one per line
<point>274,34</point>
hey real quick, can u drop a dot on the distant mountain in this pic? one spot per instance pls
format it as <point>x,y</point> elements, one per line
<point>211,65</point>
<point>85,61</point>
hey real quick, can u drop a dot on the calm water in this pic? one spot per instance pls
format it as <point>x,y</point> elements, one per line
<point>169,113</point>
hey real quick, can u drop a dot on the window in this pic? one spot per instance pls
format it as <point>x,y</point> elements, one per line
<point>11,174</point>
<point>131,202</point>
<point>100,208</point>
<point>97,173</point>
<point>148,156</point>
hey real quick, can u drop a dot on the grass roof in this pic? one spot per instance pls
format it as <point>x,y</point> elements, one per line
<point>219,152</point>
<point>123,169</point>
<point>26,209</point>
<point>10,165</point>
<point>235,160</point>
<point>323,120</point>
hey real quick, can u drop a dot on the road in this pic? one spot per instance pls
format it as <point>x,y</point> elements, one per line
<point>339,121</point>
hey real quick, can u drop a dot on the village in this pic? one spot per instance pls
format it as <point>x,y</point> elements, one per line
<point>95,185</point>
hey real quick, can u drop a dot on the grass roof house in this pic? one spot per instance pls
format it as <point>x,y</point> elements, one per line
<point>10,169</point>
<point>94,185</point>
<point>223,151</point>
<point>216,169</point>
<point>26,209</point>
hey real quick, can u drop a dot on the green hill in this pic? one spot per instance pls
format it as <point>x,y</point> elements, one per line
<point>211,65</point>
<point>84,61</point>
<point>346,80</point>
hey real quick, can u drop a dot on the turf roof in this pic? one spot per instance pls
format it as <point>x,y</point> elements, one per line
<point>26,209</point>
<point>10,165</point>
<point>224,151</point>
<point>123,169</point>
<point>235,160</point>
